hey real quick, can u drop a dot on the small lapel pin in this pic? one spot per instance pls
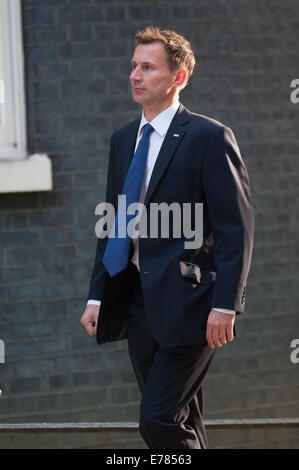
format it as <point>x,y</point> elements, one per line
<point>176,135</point>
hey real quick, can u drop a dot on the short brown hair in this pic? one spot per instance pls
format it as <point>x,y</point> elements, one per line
<point>179,50</point>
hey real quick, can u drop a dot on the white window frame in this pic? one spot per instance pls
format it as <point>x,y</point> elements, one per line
<point>18,170</point>
<point>12,67</point>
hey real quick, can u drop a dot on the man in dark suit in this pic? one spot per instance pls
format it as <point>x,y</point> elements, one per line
<point>173,304</point>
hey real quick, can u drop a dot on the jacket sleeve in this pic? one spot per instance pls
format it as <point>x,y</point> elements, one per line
<point>99,271</point>
<point>230,211</point>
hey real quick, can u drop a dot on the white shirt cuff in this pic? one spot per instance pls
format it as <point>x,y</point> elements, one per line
<point>225,310</point>
<point>94,302</point>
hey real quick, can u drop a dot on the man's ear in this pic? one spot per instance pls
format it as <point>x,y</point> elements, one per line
<point>180,78</point>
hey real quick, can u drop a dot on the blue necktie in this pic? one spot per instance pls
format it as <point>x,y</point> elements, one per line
<point>117,249</point>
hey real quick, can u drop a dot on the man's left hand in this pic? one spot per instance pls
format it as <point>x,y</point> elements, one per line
<point>219,328</point>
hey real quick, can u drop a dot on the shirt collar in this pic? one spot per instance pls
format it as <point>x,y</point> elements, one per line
<point>162,121</point>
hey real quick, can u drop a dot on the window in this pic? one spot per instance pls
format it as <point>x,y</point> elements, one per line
<point>12,117</point>
<point>18,170</point>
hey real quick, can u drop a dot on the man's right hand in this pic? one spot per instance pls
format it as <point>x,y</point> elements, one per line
<point>90,318</point>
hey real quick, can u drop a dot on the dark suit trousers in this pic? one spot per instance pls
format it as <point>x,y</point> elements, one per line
<point>170,380</point>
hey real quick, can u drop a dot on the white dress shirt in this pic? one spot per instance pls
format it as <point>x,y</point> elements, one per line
<point>160,124</point>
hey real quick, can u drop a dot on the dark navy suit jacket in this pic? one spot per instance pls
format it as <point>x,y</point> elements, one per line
<point>199,161</point>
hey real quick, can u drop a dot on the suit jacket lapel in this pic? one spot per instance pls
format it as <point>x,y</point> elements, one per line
<point>171,141</point>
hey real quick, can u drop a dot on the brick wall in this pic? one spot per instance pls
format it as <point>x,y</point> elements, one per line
<point>77,56</point>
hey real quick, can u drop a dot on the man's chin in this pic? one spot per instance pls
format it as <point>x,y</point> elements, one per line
<point>137,99</point>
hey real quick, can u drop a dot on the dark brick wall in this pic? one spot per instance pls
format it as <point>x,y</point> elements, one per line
<point>77,57</point>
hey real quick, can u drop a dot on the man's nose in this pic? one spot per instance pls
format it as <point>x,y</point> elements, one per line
<point>135,75</point>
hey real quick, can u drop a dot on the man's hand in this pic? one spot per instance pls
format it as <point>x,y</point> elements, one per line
<point>90,318</point>
<point>219,328</point>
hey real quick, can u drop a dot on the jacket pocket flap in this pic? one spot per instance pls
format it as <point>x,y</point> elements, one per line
<point>194,271</point>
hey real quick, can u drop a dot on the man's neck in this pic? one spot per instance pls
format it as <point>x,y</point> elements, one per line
<point>151,111</point>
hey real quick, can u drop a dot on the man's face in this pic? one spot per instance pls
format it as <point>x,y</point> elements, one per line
<point>151,78</point>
